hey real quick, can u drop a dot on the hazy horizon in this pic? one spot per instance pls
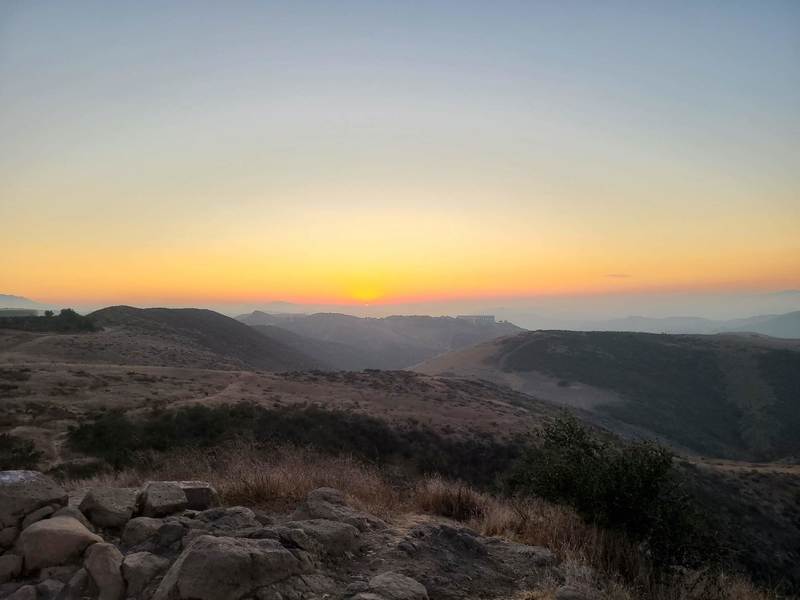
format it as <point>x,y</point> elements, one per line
<point>545,311</point>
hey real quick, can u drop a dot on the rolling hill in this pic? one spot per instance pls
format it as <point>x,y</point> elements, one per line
<point>214,338</point>
<point>354,343</point>
<point>733,396</point>
<point>188,337</point>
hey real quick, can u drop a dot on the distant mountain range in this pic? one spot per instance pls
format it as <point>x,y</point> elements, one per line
<point>354,343</point>
<point>778,325</point>
<point>10,301</point>
<point>782,326</point>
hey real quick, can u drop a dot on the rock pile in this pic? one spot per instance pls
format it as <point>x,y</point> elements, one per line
<point>171,540</point>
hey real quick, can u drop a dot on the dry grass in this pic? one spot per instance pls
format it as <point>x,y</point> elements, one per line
<point>278,479</point>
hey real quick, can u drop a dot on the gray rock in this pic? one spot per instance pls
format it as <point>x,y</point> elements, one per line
<point>22,492</point>
<point>110,507</point>
<point>7,536</point>
<point>161,498</point>
<point>75,513</point>
<point>330,504</point>
<point>140,568</point>
<point>62,574</point>
<point>37,515</point>
<point>74,590</point>
<point>49,589</point>
<point>333,537</point>
<point>26,592</point>
<point>170,532</point>
<point>10,567</point>
<point>104,564</point>
<point>394,586</point>
<point>200,495</point>
<point>54,541</point>
<point>219,568</point>
<point>139,530</point>
<point>232,518</point>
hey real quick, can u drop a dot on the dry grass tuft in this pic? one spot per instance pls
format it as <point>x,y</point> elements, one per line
<point>452,500</point>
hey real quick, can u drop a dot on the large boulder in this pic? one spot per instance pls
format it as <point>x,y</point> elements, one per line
<point>54,541</point>
<point>330,504</point>
<point>110,507</point>
<point>23,492</point>
<point>140,568</point>
<point>224,568</point>
<point>161,498</point>
<point>104,565</point>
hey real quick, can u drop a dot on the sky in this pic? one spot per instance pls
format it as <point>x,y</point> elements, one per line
<point>397,153</point>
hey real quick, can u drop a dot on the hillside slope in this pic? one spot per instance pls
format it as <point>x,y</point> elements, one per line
<point>397,342</point>
<point>195,337</point>
<point>735,396</point>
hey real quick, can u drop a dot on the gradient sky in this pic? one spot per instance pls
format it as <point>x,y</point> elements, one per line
<point>190,152</point>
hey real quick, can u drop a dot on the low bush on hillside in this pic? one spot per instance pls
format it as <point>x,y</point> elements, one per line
<point>67,321</point>
<point>119,439</point>
<point>16,453</point>
<point>632,488</point>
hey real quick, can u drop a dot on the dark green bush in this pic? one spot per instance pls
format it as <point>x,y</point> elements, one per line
<point>632,488</point>
<point>117,438</point>
<point>16,453</point>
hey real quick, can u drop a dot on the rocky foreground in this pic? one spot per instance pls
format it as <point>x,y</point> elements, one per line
<point>172,540</point>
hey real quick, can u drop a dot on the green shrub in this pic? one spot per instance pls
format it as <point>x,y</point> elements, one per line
<point>118,439</point>
<point>16,453</point>
<point>632,488</point>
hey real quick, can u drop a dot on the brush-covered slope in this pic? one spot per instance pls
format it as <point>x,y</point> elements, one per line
<point>347,342</point>
<point>726,395</point>
<point>194,337</point>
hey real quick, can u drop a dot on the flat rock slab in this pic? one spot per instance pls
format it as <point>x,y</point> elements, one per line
<point>23,492</point>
